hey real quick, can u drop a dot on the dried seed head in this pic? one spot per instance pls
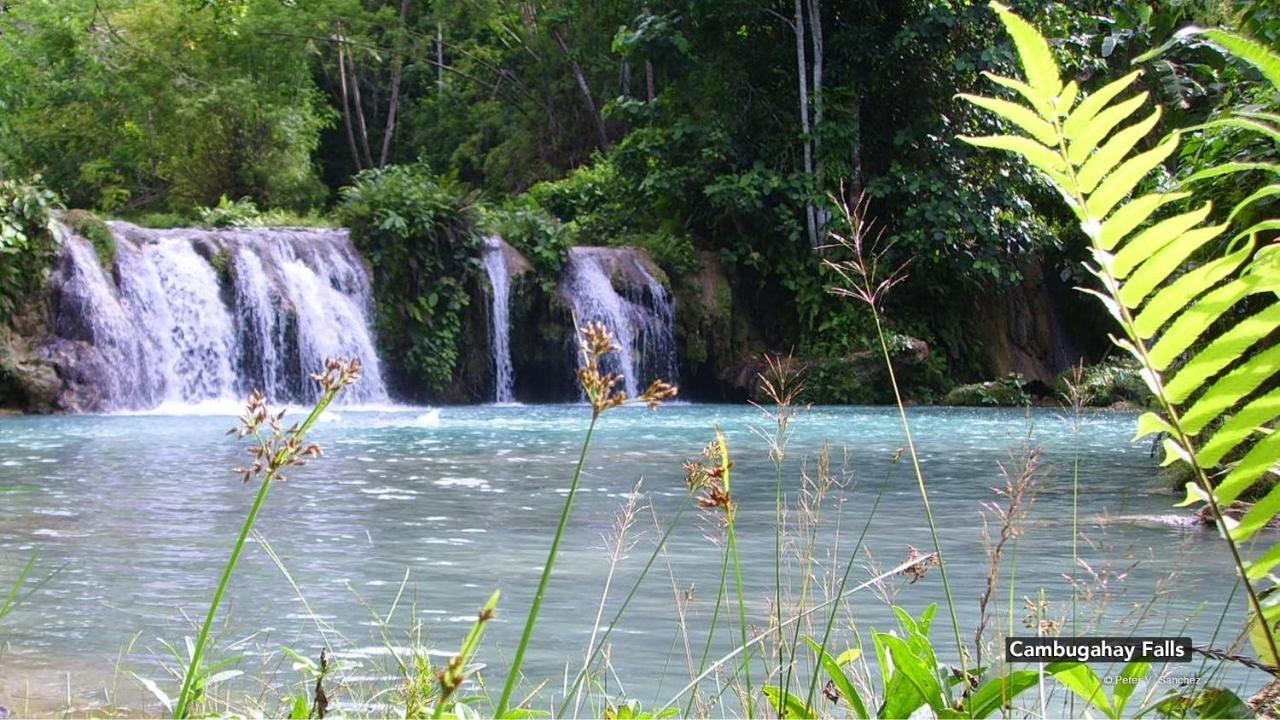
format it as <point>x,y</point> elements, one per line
<point>658,392</point>
<point>917,571</point>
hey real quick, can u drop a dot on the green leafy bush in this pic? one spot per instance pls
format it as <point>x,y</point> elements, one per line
<point>92,228</point>
<point>29,238</point>
<point>417,230</point>
<point>229,213</point>
<point>534,232</point>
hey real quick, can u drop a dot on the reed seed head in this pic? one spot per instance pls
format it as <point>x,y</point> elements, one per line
<point>600,386</point>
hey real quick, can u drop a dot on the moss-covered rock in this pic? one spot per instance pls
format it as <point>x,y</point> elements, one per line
<point>1106,384</point>
<point>1005,392</point>
<point>96,231</point>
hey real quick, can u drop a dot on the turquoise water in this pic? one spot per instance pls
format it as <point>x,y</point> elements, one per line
<point>139,511</point>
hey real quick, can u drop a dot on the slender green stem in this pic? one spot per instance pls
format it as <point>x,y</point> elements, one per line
<point>513,675</point>
<point>777,569</point>
<point>604,637</point>
<point>844,579</point>
<point>715,620</point>
<point>183,706</point>
<point>742,618</point>
<point>924,493</point>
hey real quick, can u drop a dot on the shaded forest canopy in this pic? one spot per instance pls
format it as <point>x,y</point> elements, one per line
<point>690,128</point>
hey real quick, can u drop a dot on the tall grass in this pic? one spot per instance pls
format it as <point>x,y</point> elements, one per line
<point>603,395</point>
<point>275,449</point>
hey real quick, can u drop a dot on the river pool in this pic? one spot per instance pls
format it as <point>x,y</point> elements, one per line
<point>139,512</point>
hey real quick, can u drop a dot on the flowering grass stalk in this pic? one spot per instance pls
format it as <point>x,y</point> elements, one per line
<point>603,395</point>
<point>865,280</point>
<point>272,453</point>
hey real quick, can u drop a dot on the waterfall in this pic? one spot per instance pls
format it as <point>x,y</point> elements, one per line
<point>495,266</point>
<point>614,286</point>
<point>189,315</point>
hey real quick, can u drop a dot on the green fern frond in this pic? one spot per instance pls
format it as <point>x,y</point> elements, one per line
<point>1201,330</point>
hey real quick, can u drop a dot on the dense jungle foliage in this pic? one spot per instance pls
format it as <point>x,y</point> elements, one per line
<point>676,125</point>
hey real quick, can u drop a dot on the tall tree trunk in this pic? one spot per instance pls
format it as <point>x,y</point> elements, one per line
<point>855,153</point>
<point>346,107</point>
<point>624,80</point>
<point>648,80</point>
<point>397,67</point>
<point>821,215</point>
<point>440,58</point>
<point>360,123</point>
<point>810,219</point>
<point>588,102</point>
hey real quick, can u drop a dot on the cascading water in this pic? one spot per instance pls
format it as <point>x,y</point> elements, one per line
<point>614,286</point>
<point>190,315</point>
<point>495,266</point>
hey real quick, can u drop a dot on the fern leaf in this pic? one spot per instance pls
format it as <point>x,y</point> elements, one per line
<point>1033,49</point>
<point>1039,102</point>
<point>1094,104</point>
<point>1124,220</point>
<point>1240,123</point>
<point>1231,167</point>
<point>1251,51</point>
<point>1258,195</point>
<point>1154,238</point>
<point>1231,390</point>
<point>1160,266</point>
<point>1025,118</point>
<point>1044,159</point>
<point>1084,142</point>
<point>1238,428</point>
<point>1170,299</point>
<point>1175,310</point>
<point>1113,152</point>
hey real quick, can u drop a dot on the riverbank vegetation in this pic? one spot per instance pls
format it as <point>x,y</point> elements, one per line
<point>709,134</point>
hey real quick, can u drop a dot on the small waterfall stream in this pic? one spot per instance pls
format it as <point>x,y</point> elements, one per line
<point>614,286</point>
<point>188,315</point>
<point>499,273</point>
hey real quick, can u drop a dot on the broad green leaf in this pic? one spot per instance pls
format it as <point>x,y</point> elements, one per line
<point>838,676</point>
<point>1086,140</point>
<point>1125,178</point>
<point>997,692</point>
<point>1173,297</point>
<point>1255,463</point>
<point>1231,389</point>
<point>1028,93</point>
<point>1132,672</point>
<point>1033,49</point>
<point>912,683</point>
<point>1094,104</point>
<point>1164,262</point>
<point>1114,151</point>
<point>1191,324</point>
<point>1080,679</point>
<point>1154,238</point>
<point>786,704</point>
<point>1131,215</point>
<point>1020,115</point>
<point>1239,427</point>
<point>848,656</point>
